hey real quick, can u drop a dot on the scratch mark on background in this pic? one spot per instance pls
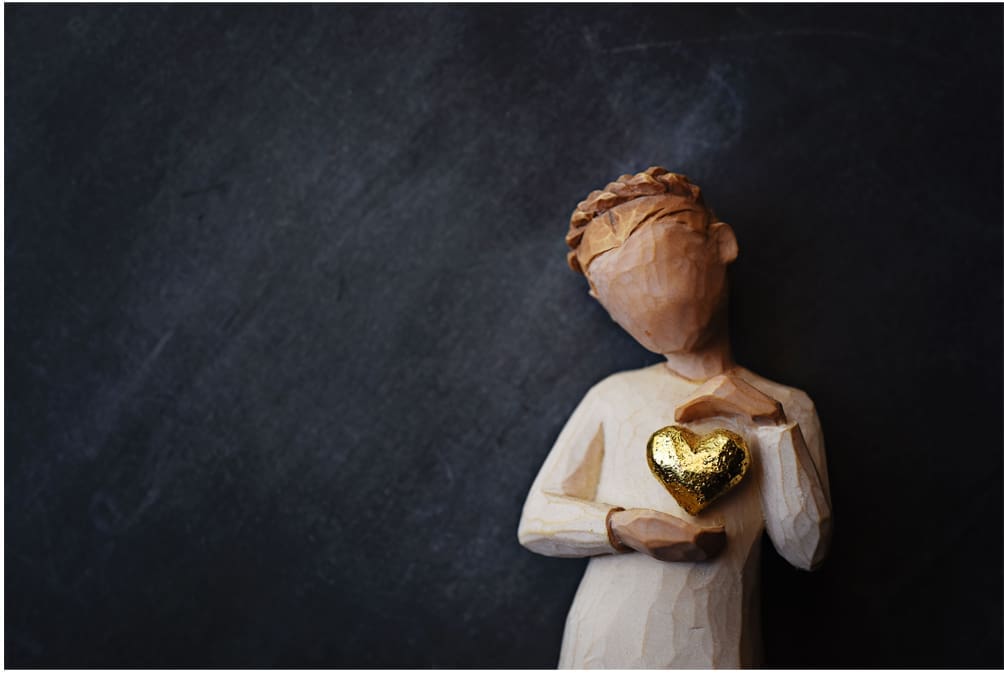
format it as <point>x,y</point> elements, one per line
<point>757,37</point>
<point>222,187</point>
<point>298,87</point>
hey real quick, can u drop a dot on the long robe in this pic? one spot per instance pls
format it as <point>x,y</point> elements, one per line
<point>632,610</point>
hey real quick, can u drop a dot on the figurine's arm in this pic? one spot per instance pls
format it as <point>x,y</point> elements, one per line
<point>561,517</point>
<point>794,494</point>
<point>802,409</point>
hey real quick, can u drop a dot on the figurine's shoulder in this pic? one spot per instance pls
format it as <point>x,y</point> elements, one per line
<point>623,382</point>
<point>797,404</point>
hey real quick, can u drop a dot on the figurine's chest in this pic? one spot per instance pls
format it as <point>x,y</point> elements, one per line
<point>626,479</point>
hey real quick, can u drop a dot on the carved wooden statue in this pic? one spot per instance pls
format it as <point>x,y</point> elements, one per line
<point>667,476</point>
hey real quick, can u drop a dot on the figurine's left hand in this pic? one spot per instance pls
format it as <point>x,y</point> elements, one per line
<point>730,396</point>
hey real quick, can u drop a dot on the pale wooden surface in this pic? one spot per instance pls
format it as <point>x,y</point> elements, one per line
<point>632,610</point>
<point>656,258</point>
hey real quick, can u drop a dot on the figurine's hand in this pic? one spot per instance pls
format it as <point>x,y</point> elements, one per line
<point>666,537</point>
<point>731,396</point>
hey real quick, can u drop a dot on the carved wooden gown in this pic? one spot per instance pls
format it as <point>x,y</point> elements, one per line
<point>632,610</point>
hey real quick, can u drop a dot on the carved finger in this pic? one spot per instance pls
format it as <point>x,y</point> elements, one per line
<point>730,396</point>
<point>666,537</point>
<point>706,544</point>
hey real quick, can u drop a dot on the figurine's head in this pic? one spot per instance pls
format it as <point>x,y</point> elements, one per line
<point>655,257</point>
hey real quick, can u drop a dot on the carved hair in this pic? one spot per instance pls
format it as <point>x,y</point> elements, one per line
<point>652,181</point>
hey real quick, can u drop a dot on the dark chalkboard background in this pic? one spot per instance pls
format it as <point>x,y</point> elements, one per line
<point>289,329</point>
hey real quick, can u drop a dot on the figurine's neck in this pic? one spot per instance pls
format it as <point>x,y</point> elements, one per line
<point>703,363</point>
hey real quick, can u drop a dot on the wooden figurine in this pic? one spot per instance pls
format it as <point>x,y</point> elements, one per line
<point>668,475</point>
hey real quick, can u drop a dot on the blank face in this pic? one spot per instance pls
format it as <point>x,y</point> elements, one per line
<point>666,284</point>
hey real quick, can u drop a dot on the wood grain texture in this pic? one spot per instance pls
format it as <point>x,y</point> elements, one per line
<point>657,263</point>
<point>634,611</point>
<point>739,396</point>
<point>664,537</point>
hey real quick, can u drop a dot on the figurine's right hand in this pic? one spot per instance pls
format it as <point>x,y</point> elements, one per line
<point>665,537</point>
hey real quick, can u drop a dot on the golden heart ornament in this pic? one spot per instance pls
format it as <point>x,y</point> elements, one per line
<point>697,470</point>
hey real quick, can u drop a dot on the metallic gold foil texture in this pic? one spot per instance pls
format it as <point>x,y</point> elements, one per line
<point>698,470</point>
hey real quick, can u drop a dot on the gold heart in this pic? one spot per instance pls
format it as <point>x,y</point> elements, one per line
<point>697,470</point>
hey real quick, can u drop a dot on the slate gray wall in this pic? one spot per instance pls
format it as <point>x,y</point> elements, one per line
<point>289,329</point>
